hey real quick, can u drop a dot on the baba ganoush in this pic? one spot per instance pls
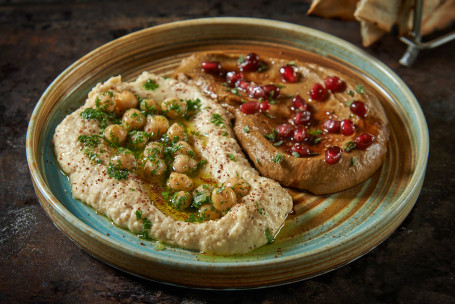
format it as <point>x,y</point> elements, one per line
<point>159,158</point>
<point>302,124</point>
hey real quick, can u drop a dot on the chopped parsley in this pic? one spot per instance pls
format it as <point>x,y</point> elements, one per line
<point>146,223</point>
<point>114,171</point>
<point>201,198</point>
<point>138,214</point>
<point>260,210</point>
<point>193,105</point>
<point>269,236</point>
<point>317,140</point>
<point>351,93</point>
<point>104,118</point>
<point>359,89</point>
<point>150,85</point>
<point>278,158</point>
<point>235,91</point>
<point>349,146</point>
<point>232,157</point>
<point>295,154</point>
<point>314,132</point>
<point>89,141</point>
<point>241,59</point>
<point>93,156</point>
<point>217,120</point>
<point>143,234</point>
<point>262,67</point>
<point>279,143</point>
<point>349,103</point>
<point>272,136</point>
<point>353,161</point>
<point>246,129</point>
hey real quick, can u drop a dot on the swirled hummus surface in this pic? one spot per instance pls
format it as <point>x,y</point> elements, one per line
<point>201,194</point>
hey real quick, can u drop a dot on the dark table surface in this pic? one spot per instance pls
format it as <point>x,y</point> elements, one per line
<point>38,263</point>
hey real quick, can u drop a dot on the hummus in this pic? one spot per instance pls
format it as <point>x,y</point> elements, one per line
<point>110,170</point>
<point>302,124</point>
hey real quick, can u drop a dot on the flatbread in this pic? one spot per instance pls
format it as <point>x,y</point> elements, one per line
<point>342,9</point>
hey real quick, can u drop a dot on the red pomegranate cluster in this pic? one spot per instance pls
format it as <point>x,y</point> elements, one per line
<point>296,131</point>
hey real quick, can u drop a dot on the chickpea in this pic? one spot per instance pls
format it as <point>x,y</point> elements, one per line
<point>176,131</point>
<point>182,147</point>
<point>124,160</point>
<point>179,182</point>
<point>208,212</point>
<point>115,134</point>
<point>133,119</point>
<point>184,164</point>
<point>126,100</point>
<point>239,185</point>
<point>154,148</point>
<point>149,106</point>
<point>154,168</point>
<point>156,126</point>
<point>105,102</point>
<point>181,200</point>
<point>174,108</point>
<point>138,140</point>
<point>223,198</point>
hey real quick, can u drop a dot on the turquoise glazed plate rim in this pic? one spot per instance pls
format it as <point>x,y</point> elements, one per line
<point>331,231</point>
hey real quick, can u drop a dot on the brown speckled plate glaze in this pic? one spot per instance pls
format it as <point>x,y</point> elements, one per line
<point>323,234</point>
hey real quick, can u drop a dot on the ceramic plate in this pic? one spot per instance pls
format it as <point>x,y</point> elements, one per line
<point>323,234</point>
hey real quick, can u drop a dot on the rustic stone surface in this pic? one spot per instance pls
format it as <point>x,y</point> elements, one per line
<point>38,263</point>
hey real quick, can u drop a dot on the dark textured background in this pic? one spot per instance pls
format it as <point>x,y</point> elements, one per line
<point>38,263</point>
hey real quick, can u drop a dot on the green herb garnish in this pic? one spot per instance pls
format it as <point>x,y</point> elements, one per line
<point>232,157</point>
<point>349,146</point>
<point>278,158</point>
<point>246,129</point>
<point>359,89</point>
<point>217,120</point>
<point>269,236</point>
<point>272,136</point>
<point>295,154</point>
<point>150,85</point>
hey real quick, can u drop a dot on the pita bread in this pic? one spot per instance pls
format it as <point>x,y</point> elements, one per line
<point>343,9</point>
<point>370,33</point>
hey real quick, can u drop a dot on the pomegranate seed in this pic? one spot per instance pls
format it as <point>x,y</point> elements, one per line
<point>256,92</point>
<point>211,67</point>
<point>242,84</point>
<point>251,63</point>
<point>332,126</point>
<point>335,84</point>
<point>302,118</point>
<point>300,134</point>
<point>301,149</point>
<point>347,127</point>
<point>359,108</point>
<point>284,130</point>
<point>271,91</point>
<point>364,140</point>
<point>264,106</point>
<point>318,92</point>
<point>333,155</point>
<point>232,77</point>
<point>298,103</point>
<point>288,73</point>
<point>250,107</point>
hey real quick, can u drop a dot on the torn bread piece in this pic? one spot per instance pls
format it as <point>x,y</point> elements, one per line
<point>343,9</point>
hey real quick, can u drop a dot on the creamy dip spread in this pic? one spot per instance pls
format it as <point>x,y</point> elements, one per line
<point>301,123</point>
<point>163,157</point>
<point>159,158</point>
